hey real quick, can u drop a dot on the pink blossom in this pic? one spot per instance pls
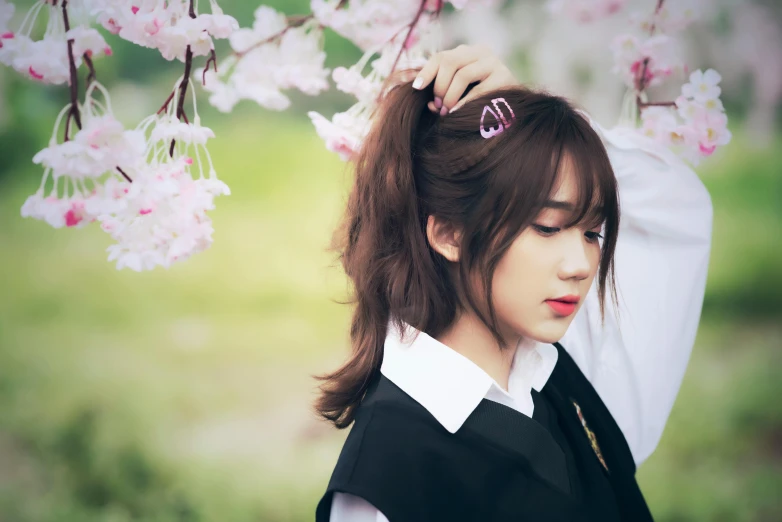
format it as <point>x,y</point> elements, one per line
<point>707,150</point>
<point>88,40</point>
<point>109,24</point>
<point>712,129</point>
<point>75,214</point>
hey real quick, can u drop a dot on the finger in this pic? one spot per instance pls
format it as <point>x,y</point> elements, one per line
<point>463,53</point>
<point>428,72</point>
<point>475,72</point>
<point>479,90</point>
<point>432,107</point>
<point>450,63</point>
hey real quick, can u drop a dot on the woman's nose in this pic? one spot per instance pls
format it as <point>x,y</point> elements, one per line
<point>576,259</point>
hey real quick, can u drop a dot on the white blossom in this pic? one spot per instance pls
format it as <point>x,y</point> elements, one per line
<point>88,41</point>
<point>703,87</point>
<point>367,23</point>
<point>98,147</point>
<point>269,58</point>
<point>344,133</point>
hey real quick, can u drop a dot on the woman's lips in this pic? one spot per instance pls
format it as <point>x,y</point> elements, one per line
<point>561,307</point>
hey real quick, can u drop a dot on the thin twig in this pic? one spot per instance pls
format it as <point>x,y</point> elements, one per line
<point>640,81</point>
<point>91,77</point>
<point>293,22</point>
<point>185,79</point>
<point>74,77</point>
<point>68,126</point>
<point>643,105</point>
<point>213,60</point>
<point>124,175</point>
<point>180,109</point>
<point>164,107</point>
<point>409,34</point>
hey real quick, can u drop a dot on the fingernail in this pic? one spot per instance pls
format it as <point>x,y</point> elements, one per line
<point>438,102</point>
<point>455,109</point>
<point>444,111</point>
<point>417,83</point>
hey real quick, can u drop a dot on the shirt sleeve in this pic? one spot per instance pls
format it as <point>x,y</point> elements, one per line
<point>636,362</point>
<point>350,508</point>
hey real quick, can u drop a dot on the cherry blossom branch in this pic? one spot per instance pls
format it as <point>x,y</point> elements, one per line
<point>293,22</point>
<point>73,112</point>
<point>411,28</point>
<point>640,81</point>
<point>656,12</point>
<point>180,109</point>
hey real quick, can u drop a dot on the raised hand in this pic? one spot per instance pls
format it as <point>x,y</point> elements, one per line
<point>454,70</point>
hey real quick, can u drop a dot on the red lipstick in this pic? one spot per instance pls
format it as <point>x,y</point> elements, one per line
<point>564,305</point>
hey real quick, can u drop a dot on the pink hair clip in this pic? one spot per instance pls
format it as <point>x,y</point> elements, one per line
<point>499,117</point>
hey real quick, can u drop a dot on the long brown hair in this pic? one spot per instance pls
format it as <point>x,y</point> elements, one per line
<point>415,163</point>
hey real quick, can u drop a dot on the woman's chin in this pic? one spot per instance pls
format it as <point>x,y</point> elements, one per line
<point>549,331</point>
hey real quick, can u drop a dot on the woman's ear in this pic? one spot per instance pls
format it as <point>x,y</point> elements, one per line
<point>444,237</point>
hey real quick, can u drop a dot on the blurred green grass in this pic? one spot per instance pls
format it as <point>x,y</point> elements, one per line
<point>184,394</point>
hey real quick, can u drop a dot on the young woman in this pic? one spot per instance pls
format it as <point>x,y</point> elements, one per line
<point>492,378</point>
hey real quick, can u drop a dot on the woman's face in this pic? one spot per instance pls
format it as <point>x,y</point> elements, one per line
<point>546,262</point>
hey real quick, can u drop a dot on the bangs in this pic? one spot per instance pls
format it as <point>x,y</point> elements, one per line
<point>583,156</point>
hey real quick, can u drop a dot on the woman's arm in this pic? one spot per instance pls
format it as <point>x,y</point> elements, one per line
<point>637,362</point>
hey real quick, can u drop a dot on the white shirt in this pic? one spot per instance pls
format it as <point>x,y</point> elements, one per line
<point>661,261</point>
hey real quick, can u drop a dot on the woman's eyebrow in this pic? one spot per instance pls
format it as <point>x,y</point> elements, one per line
<point>567,205</point>
<point>563,205</point>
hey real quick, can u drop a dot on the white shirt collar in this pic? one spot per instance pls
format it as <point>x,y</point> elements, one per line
<point>450,386</point>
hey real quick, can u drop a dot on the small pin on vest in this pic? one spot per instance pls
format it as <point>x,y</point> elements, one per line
<point>590,435</point>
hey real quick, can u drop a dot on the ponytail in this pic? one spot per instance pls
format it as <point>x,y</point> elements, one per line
<point>383,248</point>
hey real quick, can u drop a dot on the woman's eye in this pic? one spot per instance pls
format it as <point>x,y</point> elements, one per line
<point>592,237</point>
<point>546,231</point>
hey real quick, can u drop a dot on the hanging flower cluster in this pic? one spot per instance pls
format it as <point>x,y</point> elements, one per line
<point>275,54</point>
<point>698,125</point>
<point>47,60</point>
<point>408,33</point>
<point>149,187</point>
<point>169,27</point>
<point>345,132</point>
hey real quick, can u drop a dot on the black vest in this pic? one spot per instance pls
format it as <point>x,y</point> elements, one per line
<point>500,465</point>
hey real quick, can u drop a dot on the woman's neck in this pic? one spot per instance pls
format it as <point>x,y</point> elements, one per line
<point>472,339</point>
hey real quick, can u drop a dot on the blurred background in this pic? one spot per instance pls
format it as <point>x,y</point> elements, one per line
<point>185,395</point>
